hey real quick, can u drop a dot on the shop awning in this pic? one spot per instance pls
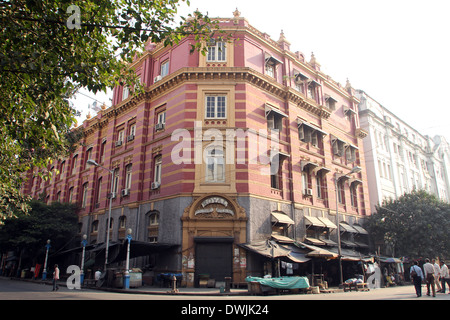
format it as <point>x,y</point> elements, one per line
<point>298,257</point>
<point>296,254</point>
<point>315,241</point>
<point>316,252</point>
<point>328,223</point>
<point>360,229</point>
<point>266,248</point>
<point>282,239</point>
<point>313,221</point>
<point>322,253</point>
<point>348,243</point>
<point>281,217</point>
<point>361,245</point>
<point>74,250</point>
<point>352,255</point>
<point>345,227</point>
<point>329,242</point>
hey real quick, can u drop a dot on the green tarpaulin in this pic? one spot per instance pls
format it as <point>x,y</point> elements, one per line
<point>282,282</point>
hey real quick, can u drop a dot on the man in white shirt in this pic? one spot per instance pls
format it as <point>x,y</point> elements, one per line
<point>428,270</point>
<point>437,275</point>
<point>445,276</point>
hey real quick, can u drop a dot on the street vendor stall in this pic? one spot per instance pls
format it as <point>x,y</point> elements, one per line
<point>259,285</point>
<point>393,270</point>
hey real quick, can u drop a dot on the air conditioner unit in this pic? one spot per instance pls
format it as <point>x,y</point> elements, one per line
<point>155,185</point>
<point>112,195</point>
<point>125,192</point>
<point>159,126</point>
<point>308,192</point>
<point>118,143</point>
<point>130,137</point>
<point>157,78</point>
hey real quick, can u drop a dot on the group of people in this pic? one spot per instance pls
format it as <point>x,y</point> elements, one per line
<point>433,274</point>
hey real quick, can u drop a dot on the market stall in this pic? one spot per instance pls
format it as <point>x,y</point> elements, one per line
<point>259,285</point>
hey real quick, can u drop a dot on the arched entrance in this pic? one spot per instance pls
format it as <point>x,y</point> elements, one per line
<point>213,225</point>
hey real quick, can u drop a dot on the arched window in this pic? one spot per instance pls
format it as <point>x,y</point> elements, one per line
<point>94,226</point>
<point>122,222</point>
<point>152,226</point>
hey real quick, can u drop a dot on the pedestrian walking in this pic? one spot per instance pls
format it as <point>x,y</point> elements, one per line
<point>445,276</point>
<point>437,275</point>
<point>417,277</point>
<point>429,277</point>
<point>55,278</point>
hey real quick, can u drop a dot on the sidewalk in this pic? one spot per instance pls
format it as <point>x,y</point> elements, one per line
<point>180,291</point>
<point>156,290</point>
<point>147,289</point>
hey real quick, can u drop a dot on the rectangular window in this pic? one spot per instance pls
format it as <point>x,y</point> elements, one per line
<point>215,165</point>
<point>274,122</point>
<point>74,164</point>
<point>102,151</point>
<point>341,192</point>
<point>158,167</point>
<point>99,190</point>
<point>128,175</point>
<point>311,92</point>
<point>216,107</point>
<point>217,52</point>
<point>351,154</point>
<point>165,68</point>
<point>125,93</point>
<point>353,196</point>
<point>85,194</point>
<point>120,136</point>
<point>115,182</point>
<point>132,130</point>
<point>88,156</point>
<point>162,117</point>
<point>319,186</point>
<point>270,70</point>
<point>338,147</point>
<point>330,103</point>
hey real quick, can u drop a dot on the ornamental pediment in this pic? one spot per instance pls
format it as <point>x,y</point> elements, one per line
<point>214,207</point>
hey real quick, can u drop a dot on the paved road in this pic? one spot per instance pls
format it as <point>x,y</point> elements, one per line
<point>22,290</point>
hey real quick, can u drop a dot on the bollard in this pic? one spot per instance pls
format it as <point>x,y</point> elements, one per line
<point>227,284</point>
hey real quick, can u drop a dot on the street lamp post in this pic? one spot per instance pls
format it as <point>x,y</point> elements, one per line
<point>44,272</point>
<point>92,162</point>
<point>126,276</point>
<point>83,243</point>
<point>337,177</point>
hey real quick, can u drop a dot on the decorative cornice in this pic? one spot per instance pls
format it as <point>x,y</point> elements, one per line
<point>239,74</point>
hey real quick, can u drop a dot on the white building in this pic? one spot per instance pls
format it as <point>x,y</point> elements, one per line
<point>398,158</point>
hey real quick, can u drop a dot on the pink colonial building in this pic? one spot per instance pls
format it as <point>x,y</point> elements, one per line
<point>222,152</point>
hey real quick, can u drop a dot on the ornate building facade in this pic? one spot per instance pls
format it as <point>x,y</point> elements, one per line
<point>240,145</point>
<point>398,158</point>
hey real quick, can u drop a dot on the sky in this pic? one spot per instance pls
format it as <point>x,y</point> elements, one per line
<point>397,51</point>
